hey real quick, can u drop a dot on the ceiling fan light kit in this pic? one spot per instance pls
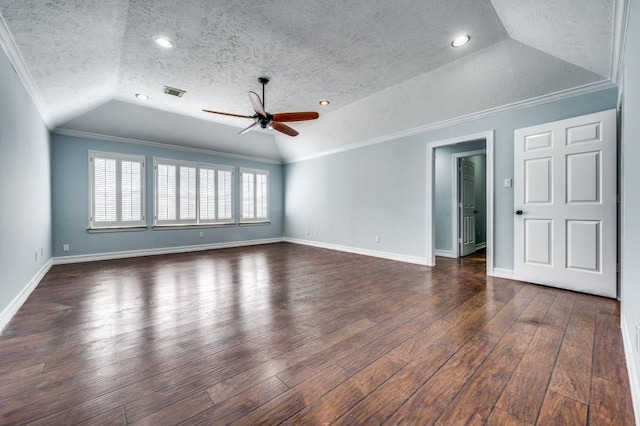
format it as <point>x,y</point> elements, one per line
<point>267,120</point>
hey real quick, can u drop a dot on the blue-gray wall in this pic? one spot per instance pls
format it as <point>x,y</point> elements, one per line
<point>444,193</point>
<point>70,192</point>
<point>630,230</point>
<point>351,196</point>
<point>25,187</point>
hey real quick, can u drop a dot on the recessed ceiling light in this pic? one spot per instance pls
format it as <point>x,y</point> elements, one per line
<point>460,41</point>
<point>142,97</point>
<point>324,102</point>
<point>164,42</point>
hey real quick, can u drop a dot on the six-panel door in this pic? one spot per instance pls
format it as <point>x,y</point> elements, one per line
<point>565,186</point>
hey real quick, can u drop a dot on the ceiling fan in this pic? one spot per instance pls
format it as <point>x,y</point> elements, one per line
<point>267,120</point>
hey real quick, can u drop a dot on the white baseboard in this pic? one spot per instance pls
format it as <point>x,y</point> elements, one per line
<point>154,252</point>
<point>631,368</point>
<point>19,300</point>
<point>502,273</point>
<point>365,252</point>
<point>480,246</point>
<point>444,253</point>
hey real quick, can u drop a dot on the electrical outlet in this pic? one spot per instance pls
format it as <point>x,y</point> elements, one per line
<point>377,238</point>
<point>65,247</point>
<point>316,232</point>
<point>202,235</point>
<point>307,231</point>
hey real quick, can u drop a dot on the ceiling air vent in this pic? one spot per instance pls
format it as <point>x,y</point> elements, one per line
<point>173,91</point>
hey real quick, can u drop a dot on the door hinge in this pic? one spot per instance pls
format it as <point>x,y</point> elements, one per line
<point>617,267</point>
<point>618,198</point>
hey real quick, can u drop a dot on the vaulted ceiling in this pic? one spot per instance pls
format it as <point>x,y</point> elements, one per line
<point>386,67</point>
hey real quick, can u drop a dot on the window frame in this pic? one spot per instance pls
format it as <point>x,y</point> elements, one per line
<point>254,219</point>
<point>197,221</point>
<point>119,223</point>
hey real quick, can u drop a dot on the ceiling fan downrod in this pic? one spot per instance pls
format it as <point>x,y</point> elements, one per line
<point>263,81</point>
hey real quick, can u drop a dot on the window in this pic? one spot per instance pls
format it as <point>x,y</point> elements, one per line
<point>192,194</point>
<point>254,201</point>
<point>116,190</point>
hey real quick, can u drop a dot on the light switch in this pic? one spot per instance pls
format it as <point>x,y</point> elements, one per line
<point>508,183</point>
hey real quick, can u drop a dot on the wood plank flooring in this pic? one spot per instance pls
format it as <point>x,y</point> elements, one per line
<point>288,334</point>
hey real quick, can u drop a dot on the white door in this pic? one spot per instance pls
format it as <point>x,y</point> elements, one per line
<point>467,203</point>
<point>565,204</point>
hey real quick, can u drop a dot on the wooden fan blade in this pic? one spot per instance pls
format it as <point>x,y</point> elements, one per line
<point>228,113</point>
<point>242,132</point>
<point>295,116</point>
<point>283,128</point>
<point>256,103</point>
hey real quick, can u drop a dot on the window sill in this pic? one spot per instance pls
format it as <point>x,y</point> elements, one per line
<point>195,226</point>
<point>265,222</point>
<point>116,229</point>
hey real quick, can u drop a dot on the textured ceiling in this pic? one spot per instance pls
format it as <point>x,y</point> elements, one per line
<point>386,66</point>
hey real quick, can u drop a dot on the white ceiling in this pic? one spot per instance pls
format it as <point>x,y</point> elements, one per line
<point>387,67</point>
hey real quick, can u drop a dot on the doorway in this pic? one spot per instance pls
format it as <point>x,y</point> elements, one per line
<point>469,207</point>
<point>452,231</point>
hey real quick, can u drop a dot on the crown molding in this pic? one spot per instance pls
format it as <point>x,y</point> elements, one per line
<point>620,22</point>
<point>17,61</point>
<point>539,100</point>
<point>107,138</point>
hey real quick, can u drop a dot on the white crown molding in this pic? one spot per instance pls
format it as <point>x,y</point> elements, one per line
<point>22,297</point>
<point>620,20</point>
<point>355,250</point>
<point>62,260</point>
<point>631,368</point>
<point>107,138</point>
<point>17,61</point>
<point>540,100</point>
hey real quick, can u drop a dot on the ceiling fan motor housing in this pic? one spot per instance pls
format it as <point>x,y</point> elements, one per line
<point>265,121</point>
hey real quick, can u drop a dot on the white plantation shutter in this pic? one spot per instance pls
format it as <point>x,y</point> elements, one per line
<point>131,191</point>
<point>116,190</point>
<point>255,195</point>
<point>165,192</point>
<point>187,193</point>
<point>207,194</point>
<point>225,194</point>
<point>105,190</point>
<point>248,199</point>
<point>203,194</point>
<point>261,196</point>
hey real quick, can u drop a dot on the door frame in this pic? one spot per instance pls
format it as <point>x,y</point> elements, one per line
<point>455,195</point>
<point>431,147</point>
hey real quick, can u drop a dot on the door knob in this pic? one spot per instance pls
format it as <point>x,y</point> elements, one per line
<point>519,212</point>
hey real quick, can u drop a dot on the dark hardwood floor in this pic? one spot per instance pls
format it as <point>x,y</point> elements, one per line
<point>297,335</point>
